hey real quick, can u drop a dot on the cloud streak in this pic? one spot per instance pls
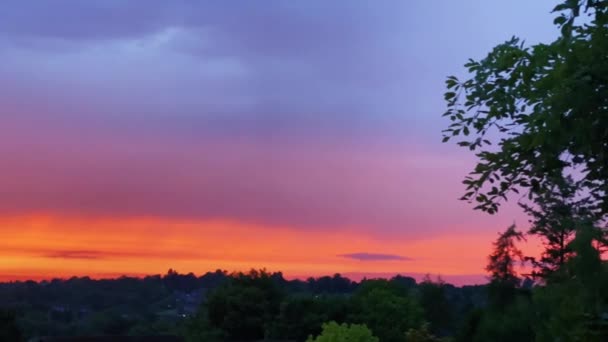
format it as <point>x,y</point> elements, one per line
<point>76,254</point>
<point>53,246</point>
<point>363,256</point>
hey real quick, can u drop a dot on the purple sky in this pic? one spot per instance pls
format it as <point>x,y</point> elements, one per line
<point>309,114</point>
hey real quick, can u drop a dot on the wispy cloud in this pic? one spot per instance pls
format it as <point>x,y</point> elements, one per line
<point>363,256</point>
<point>76,254</point>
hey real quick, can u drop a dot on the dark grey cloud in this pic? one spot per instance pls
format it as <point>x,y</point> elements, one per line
<point>363,256</point>
<point>86,20</point>
<point>282,67</point>
<point>348,68</point>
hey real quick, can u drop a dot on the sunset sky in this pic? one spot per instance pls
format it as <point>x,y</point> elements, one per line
<point>300,136</point>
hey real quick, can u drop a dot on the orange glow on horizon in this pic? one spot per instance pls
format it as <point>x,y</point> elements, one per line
<point>46,246</point>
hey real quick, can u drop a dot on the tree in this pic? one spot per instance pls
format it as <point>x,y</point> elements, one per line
<point>392,286</point>
<point>512,322</point>
<point>535,113</point>
<point>404,282</point>
<point>422,335</point>
<point>386,309</point>
<point>576,308</point>
<point>327,284</point>
<point>111,323</point>
<point>555,216</point>
<point>242,308</point>
<point>180,282</point>
<point>503,278</point>
<point>9,331</point>
<point>507,318</point>
<point>505,255</point>
<point>333,332</point>
<point>302,315</point>
<point>470,326</point>
<point>437,310</point>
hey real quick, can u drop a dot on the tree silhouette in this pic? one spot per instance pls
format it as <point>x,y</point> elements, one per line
<point>9,331</point>
<point>387,310</point>
<point>501,266</point>
<point>434,301</point>
<point>243,307</point>
<point>544,108</point>
<point>555,215</point>
<point>576,307</point>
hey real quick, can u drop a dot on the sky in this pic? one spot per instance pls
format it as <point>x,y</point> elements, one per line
<point>299,136</point>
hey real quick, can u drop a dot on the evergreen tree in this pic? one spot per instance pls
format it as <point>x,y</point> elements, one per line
<point>505,255</point>
<point>554,217</point>
<point>576,307</point>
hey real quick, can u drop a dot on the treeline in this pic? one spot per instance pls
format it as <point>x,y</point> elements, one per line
<point>254,306</point>
<point>236,306</point>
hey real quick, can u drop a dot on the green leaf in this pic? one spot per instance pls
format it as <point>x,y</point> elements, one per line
<point>546,100</point>
<point>451,84</point>
<point>560,7</point>
<point>561,20</point>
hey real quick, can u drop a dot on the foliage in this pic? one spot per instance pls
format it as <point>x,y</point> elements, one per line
<point>112,323</point>
<point>198,329</point>
<point>9,331</point>
<point>242,308</point>
<point>554,219</point>
<point>422,335</point>
<point>385,309</point>
<point>470,326</point>
<point>576,308</point>
<point>157,306</point>
<point>84,306</point>
<point>508,317</point>
<point>302,315</point>
<point>537,119</point>
<point>503,278</point>
<point>327,284</point>
<point>394,286</point>
<point>155,328</point>
<point>512,322</point>
<point>333,332</point>
<point>437,310</point>
<point>545,107</point>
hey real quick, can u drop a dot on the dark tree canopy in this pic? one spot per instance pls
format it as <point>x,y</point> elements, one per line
<point>555,216</point>
<point>433,299</point>
<point>502,261</point>
<point>8,327</point>
<point>243,308</point>
<point>501,266</point>
<point>387,309</point>
<point>534,113</point>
